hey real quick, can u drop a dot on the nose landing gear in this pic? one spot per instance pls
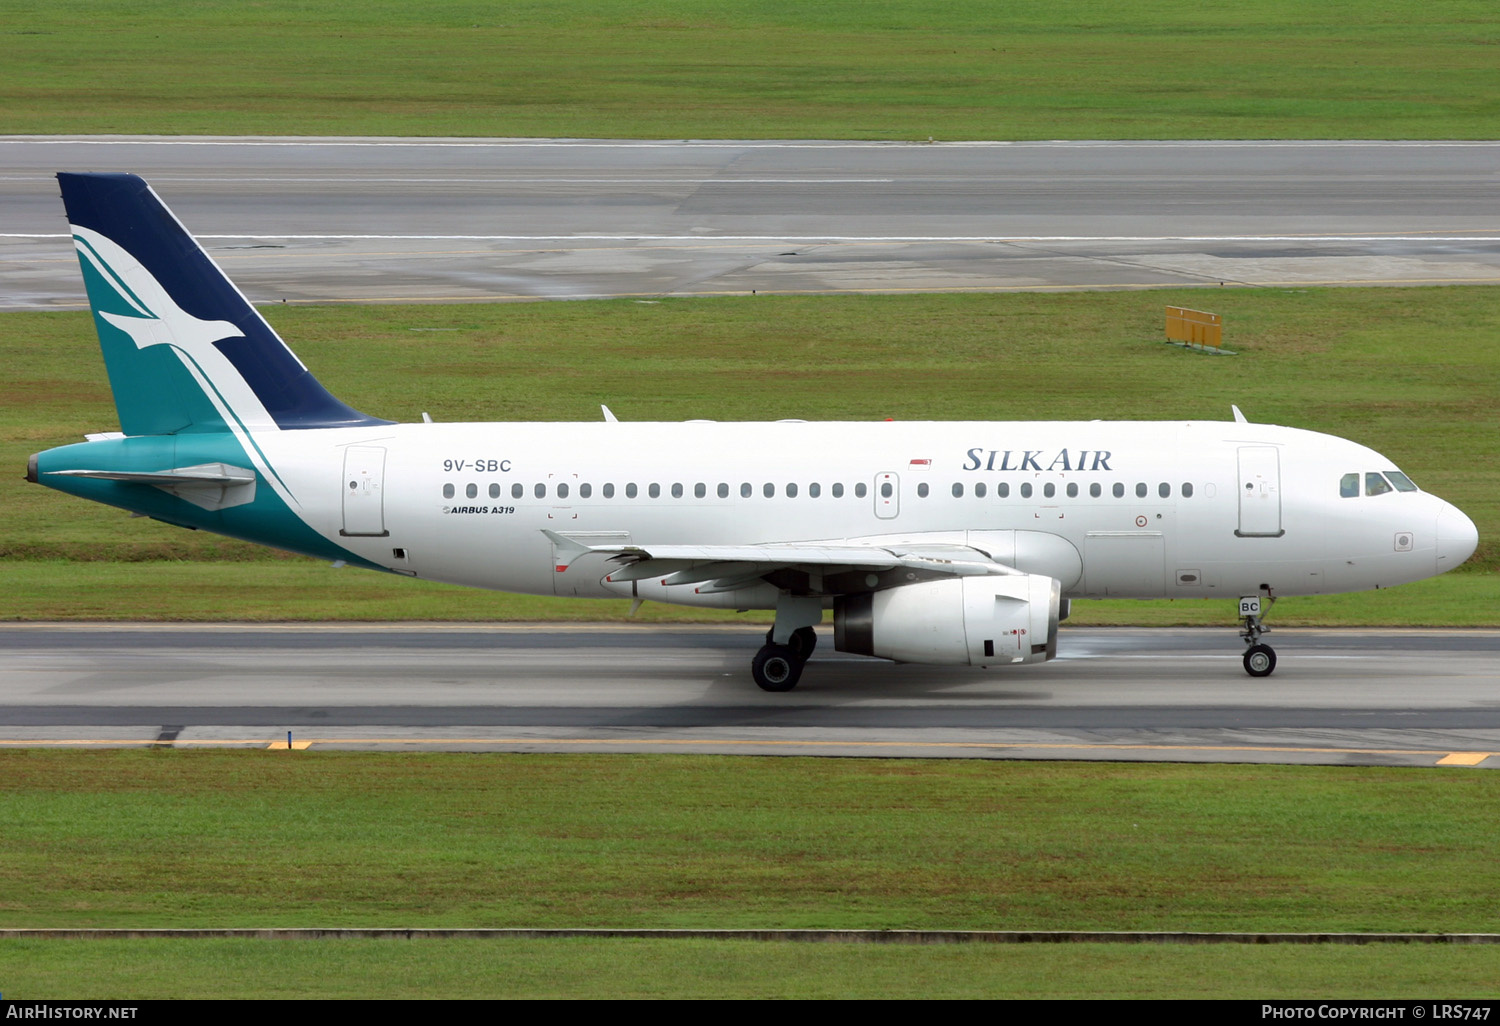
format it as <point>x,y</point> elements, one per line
<point>1260,660</point>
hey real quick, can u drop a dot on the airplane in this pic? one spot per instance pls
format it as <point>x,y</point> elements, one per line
<point>935,543</point>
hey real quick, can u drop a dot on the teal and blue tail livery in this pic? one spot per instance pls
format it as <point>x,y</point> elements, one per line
<point>184,349</point>
<point>204,388</point>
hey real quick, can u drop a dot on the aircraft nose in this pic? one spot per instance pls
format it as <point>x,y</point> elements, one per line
<point>1457,537</point>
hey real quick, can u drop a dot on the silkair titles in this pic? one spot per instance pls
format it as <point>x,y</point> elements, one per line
<point>1037,459</point>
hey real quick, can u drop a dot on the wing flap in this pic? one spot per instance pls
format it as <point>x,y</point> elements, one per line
<point>731,566</point>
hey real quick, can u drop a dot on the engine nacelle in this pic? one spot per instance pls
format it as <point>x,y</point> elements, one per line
<point>962,621</point>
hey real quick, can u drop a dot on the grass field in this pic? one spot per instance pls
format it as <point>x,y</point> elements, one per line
<point>395,970</point>
<point>672,69</point>
<point>213,838</point>
<point>143,838</point>
<point>1409,372</point>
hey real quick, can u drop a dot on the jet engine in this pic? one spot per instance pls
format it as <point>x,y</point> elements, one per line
<point>963,621</point>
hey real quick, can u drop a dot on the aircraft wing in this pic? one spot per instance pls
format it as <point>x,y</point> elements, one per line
<point>732,566</point>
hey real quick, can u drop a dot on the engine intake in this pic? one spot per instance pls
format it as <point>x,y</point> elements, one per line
<point>958,621</point>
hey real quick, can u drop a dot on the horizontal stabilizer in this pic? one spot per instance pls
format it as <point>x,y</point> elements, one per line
<point>207,485</point>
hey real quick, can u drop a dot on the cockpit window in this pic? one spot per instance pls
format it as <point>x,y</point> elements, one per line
<point>1400,480</point>
<point>1375,484</point>
<point>1349,486</point>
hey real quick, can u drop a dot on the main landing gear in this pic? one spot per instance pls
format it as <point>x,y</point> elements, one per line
<point>1260,659</point>
<point>779,667</point>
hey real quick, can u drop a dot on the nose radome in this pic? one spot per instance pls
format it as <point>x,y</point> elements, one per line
<point>1457,537</point>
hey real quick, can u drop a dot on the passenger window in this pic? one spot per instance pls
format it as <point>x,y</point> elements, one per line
<point>1049,489</point>
<point>654,490</point>
<point>585,490</point>
<point>517,490</point>
<point>860,491</point>
<point>1140,489</point>
<point>541,491</point>
<point>979,490</point>
<point>922,490</point>
<point>838,491</point>
<point>814,490</point>
<point>472,491</point>
<point>1376,485</point>
<point>1164,490</point>
<point>768,490</point>
<point>791,491</point>
<point>885,490</point>
<point>700,490</point>
<point>562,491</point>
<point>1072,490</point>
<point>1003,489</point>
<point>745,490</point>
<point>494,491</point>
<point>630,490</point>
<point>447,491</point>
<point>1119,490</point>
<point>1187,490</point>
<point>723,490</point>
<point>609,490</point>
<point>1349,486</point>
<point>958,490</point>
<point>1095,491</point>
<point>1026,490</point>
<point>1401,481</point>
<point>677,490</point>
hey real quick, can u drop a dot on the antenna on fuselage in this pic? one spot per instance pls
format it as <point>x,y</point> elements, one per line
<point>609,417</point>
<point>1239,418</point>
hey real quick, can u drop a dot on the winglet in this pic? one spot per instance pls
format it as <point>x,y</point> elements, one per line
<point>1239,418</point>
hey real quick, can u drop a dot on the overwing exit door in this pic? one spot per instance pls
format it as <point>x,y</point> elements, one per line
<point>887,496</point>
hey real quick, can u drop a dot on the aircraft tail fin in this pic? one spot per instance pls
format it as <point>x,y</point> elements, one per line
<point>184,348</point>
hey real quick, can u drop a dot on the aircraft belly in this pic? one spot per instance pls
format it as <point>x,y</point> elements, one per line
<point>482,551</point>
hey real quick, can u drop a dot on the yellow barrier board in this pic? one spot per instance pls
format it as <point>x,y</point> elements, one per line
<point>1194,327</point>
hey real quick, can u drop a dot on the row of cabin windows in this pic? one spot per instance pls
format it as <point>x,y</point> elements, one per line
<point>1375,484</point>
<point>815,490</point>
<point>700,491</point>
<point>1049,490</point>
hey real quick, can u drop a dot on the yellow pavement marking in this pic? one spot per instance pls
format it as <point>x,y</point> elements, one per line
<point>281,746</point>
<point>1464,758</point>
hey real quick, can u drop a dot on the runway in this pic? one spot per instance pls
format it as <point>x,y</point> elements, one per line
<point>380,220</point>
<point>1357,697</point>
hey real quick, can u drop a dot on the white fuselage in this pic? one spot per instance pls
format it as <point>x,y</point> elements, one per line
<point>1191,509</point>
